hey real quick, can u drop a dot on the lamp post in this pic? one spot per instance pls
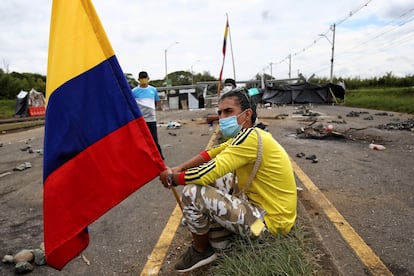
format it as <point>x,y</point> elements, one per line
<point>271,70</point>
<point>165,59</point>
<point>333,49</point>
<point>290,64</point>
<point>191,71</point>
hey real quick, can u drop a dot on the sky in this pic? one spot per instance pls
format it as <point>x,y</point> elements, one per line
<point>279,38</point>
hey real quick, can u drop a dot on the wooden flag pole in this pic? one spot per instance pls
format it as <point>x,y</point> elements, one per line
<point>231,49</point>
<point>177,197</point>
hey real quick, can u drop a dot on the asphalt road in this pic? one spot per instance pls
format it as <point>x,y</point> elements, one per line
<point>373,190</point>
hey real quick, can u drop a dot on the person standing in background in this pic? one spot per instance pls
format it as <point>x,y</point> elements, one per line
<point>229,84</point>
<point>148,101</point>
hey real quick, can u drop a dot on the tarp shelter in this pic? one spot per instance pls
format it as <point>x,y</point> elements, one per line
<point>22,102</point>
<point>30,103</point>
<point>37,103</point>
<point>301,93</point>
<point>36,99</point>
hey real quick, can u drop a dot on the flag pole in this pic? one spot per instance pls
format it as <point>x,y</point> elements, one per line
<point>177,197</point>
<point>232,56</point>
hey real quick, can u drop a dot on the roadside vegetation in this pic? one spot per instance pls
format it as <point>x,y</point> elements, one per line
<point>7,108</point>
<point>387,99</point>
<point>293,254</point>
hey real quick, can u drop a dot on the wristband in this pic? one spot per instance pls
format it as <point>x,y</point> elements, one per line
<point>170,179</point>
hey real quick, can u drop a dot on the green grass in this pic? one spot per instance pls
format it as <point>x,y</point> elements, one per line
<point>273,255</point>
<point>387,99</point>
<point>7,108</point>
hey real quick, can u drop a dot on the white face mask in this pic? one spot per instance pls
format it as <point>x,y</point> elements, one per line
<point>226,89</point>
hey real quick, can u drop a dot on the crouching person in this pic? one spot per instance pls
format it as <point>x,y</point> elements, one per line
<point>262,196</point>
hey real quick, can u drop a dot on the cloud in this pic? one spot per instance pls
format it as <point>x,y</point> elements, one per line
<point>370,40</point>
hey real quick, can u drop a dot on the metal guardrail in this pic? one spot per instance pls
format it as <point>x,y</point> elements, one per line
<point>20,119</point>
<point>20,123</point>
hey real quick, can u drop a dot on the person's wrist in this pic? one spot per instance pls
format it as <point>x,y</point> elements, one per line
<point>170,179</point>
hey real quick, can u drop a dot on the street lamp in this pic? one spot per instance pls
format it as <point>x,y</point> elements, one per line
<point>191,71</point>
<point>271,70</point>
<point>165,59</point>
<point>333,48</point>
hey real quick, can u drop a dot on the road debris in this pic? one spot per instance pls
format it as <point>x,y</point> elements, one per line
<point>173,125</point>
<point>24,258</point>
<point>404,125</point>
<point>320,131</point>
<point>23,166</point>
<point>85,260</point>
<point>300,154</point>
<point>376,147</point>
<point>23,268</point>
<point>307,112</point>
<point>25,148</point>
<point>311,157</point>
<point>356,114</point>
<point>4,174</point>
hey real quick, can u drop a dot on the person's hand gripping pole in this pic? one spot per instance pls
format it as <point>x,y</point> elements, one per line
<point>167,179</point>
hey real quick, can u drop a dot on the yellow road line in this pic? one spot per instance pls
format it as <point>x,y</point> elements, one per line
<point>155,260</point>
<point>154,263</point>
<point>371,261</point>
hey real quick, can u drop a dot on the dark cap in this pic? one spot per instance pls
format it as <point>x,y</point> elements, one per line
<point>142,75</point>
<point>230,82</point>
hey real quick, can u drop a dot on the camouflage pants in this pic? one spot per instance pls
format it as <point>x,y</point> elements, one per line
<point>204,206</point>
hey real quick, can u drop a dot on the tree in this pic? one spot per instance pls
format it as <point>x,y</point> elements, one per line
<point>12,83</point>
<point>131,80</point>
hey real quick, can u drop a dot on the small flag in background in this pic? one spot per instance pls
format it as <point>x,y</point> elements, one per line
<point>98,149</point>
<point>226,32</point>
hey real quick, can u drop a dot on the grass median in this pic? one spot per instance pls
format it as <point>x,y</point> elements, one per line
<point>292,254</point>
<point>387,99</point>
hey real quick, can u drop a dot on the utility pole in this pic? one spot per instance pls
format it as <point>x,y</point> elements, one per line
<point>165,61</point>
<point>192,72</point>
<point>271,70</point>
<point>333,50</point>
<point>290,64</point>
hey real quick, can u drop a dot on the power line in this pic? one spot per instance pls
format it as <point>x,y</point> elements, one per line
<point>297,53</point>
<point>403,20</point>
<point>395,25</point>
<point>352,13</point>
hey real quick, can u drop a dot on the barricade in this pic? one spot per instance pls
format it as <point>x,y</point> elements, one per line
<point>36,111</point>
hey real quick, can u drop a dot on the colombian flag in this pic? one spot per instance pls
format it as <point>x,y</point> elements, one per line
<point>97,149</point>
<point>226,32</point>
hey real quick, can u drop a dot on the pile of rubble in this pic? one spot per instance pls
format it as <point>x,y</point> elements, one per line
<point>23,261</point>
<point>398,125</point>
<point>306,111</point>
<point>356,114</point>
<point>319,131</point>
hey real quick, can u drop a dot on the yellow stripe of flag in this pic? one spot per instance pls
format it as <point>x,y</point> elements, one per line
<point>92,45</point>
